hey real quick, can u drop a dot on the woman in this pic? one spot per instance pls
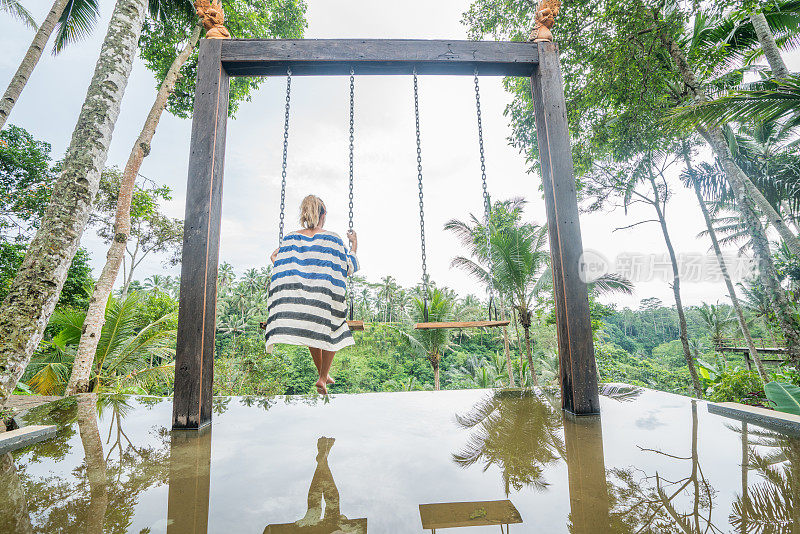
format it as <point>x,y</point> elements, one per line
<point>307,291</point>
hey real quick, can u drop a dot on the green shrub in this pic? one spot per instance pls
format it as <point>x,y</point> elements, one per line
<point>739,385</point>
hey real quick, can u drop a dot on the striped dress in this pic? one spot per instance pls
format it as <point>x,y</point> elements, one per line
<point>307,292</point>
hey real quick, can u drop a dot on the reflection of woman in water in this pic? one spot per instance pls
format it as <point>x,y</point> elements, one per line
<point>322,488</point>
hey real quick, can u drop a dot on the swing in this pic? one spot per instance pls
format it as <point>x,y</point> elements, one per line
<point>352,324</point>
<point>222,60</point>
<point>426,325</point>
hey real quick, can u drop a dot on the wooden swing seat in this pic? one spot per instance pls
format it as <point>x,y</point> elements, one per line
<point>464,324</point>
<point>354,325</point>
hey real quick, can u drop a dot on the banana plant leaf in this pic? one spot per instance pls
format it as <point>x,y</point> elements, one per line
<point>785,397</point>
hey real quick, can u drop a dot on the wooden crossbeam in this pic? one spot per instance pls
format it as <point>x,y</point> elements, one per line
<point>764,350</point>
<point>462,324</point>
<point>315,57</point>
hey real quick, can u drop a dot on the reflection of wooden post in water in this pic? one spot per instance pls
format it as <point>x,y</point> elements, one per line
<point>189,481</point>
<point>588,491</point>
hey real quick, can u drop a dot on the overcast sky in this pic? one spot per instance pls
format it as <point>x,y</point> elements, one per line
<point>386,209</point>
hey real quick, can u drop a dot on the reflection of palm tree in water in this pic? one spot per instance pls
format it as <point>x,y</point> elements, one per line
<point>772,505</point>
<point>516,431</point>
<point>322,488</point>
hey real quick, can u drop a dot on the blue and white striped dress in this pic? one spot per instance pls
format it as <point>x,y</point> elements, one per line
<point>307,292</point>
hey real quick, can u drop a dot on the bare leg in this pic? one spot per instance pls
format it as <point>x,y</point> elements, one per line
<point>320,487</point>
<point>327,360</point>
<point>316,355</point>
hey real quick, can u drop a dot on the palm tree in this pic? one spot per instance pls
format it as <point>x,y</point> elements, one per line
<point>519,259</point>
<point>157,282</point>
<point>729,40</point>
<point>746,34</point>
<point>756,302</point>
<point>691,177</point>
<point>225,276</point>
<point>748,198</point>
<point>122,224</point>
<point>763,152</point>
<point>34,292</point>
<point>434,342</point>
<point>717,320</point>
<point>474,372</point>
<point>386,294</point>
<point>75,19</point>
<point>129,354</point>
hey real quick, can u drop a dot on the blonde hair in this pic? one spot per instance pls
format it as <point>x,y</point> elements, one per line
<point>311,210</point>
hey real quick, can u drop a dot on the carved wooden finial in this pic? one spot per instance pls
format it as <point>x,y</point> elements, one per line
<point>213,18</point>
<point>545,18</point>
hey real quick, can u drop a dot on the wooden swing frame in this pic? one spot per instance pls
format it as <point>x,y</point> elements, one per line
<point>221,59</point>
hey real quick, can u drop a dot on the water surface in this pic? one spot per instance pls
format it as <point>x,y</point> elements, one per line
<point>466,461</point>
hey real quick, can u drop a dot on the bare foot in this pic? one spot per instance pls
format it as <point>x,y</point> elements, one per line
<point>330,380</point>
<point>324,445</point>
<point>321,389</point>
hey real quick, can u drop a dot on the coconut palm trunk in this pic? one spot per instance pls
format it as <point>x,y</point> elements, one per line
<point>30,60</point>
<point>95,316</point>
<point>507,351</point>
<point>747,198</point>
<point>519,345</point>
<point>768,45</point>
<point>676,289</point>
<point>525,321</point>
<point>724,268</point>
<point>434,359</point>
<point>35,290</point>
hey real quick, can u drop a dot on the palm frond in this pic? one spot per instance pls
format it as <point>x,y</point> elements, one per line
<point>471,267</point>
<point>735,36</point>
<point>148,378</point>
<point>121,322</point>
<point>76,23</point>
<point>768,101</point>
<point>611,283</point>
<point>50,379</point>
<point>18,11</point>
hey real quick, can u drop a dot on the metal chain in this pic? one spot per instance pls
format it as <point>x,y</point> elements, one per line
<point>352,137</point>
<point>283,169</point>
<point>421,202</point>
<point>285,151</point>
<point>487,203</point>
<point>352,122</point>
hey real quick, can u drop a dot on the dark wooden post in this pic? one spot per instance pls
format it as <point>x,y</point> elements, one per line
<point>578,373</point>
<point>194,358</point>
<point>189,482</point>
